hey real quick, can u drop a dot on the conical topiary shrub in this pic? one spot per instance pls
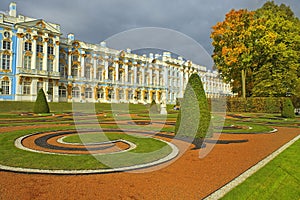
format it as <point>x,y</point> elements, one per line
<point>193,119</point>
<point>41,104</point>
<point>153,107</point>
<point>287,108</point>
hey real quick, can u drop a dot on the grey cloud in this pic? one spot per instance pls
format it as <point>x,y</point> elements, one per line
<point>96,20</point>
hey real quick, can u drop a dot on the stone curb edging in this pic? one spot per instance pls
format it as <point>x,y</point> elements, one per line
<point>18,144</point>
<point>173,154</point>
<point>272,131</point>
<point>241,178</point>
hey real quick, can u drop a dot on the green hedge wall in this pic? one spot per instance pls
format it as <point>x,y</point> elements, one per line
<point>255,104</point>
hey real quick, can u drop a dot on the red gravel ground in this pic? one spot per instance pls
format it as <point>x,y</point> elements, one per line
<point>187,178</point>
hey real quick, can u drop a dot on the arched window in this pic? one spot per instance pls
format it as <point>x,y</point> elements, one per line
<point>62,91</point>
<point>121,94</point>
<point>100,93</point>
<point>88,93</point>
<point>75,92</point>
<point>5,86</point>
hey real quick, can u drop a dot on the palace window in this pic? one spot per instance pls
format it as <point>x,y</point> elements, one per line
<point>50,88</point>
<point>28,46</point>
<point>28,36</point>
<point>87,73</point>
<point>88,93</point>
<point>39,86</point>
<point>100,93</point>
<point>130,95</point>
<point>5,62</point>
<point>62,91</point>
<point>39,63</point>
<point>26,87</point>
<point>27,62</point>
<point>39,48</point>
<point>63,70</point>
<point>74,71</point>
<point>99,74</point>
<point>50,65</point>
<point>50,50</point>
<point>139,78</point>
<point>5,87</point>
<point>111,74</point>
<point>130,77</point>
<point>75,92</point>
<point>121,94</point>
<point>6,34</point>
<point>75,57</point>
<point>6,45</point>
<point>121,75</point>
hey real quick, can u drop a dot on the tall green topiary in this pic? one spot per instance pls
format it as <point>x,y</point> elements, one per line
<point>41,104</point>
<point>153,107</point>
<point>287,108</point>
<point>194,116</point>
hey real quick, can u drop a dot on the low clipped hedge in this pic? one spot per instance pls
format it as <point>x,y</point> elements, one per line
<point>255,104</point>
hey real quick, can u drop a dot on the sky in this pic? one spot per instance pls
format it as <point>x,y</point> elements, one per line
<point>94,21</point>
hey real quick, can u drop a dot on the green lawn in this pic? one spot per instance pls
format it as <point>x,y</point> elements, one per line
<point>279,179</point>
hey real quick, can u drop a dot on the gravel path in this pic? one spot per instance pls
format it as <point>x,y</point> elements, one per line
<point>187,178</point>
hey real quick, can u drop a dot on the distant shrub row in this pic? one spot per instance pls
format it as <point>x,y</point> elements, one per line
<point>256,104</point>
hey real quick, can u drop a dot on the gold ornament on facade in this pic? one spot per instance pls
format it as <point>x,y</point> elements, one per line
<point>6,52</point>
<point>20,35</point>
<point>5,78</point>
<point>20,80</point>
<point>40,55</point>
<point>51,57</point>
<point>46,39</point>
<point>28,30</point>
<point>57,43</point>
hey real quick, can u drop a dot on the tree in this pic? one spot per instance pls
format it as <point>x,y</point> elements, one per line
<point>194,116</point>
<point>287,108</point>
<point>41,104</point>
<point>279,48</point>
<point>233,48</point>
<point>263,46</point>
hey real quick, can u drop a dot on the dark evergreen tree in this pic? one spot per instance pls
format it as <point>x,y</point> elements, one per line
<point>194,116</point>
<point>41,104</point>
<point>287,108</point>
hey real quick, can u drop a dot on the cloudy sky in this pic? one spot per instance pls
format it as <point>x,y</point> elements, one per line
<point>96,20</point>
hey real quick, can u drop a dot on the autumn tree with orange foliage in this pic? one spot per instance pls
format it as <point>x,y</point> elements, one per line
<point>260,48</point>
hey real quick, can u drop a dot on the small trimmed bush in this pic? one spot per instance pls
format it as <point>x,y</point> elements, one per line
<point>41,104</point>
<point>193,119</point>
<point>153,107</point>
<point>287,109</point>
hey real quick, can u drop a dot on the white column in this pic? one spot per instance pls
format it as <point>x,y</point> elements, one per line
<point>20,52</point>
<point>82,66</point>
<point>126,73</point>
<point>56,58</point>
<point>69,63</point>
<point>117,71</point>
<point>106,69</point>
<point>33,59</point>
<point>45,57</point>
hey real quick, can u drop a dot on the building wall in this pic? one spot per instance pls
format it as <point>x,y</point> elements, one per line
<point>84,72</point>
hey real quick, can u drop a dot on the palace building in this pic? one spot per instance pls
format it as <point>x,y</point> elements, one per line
<point>34,55</point>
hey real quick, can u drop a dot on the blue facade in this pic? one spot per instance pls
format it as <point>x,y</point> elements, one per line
<point>12,73</point>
